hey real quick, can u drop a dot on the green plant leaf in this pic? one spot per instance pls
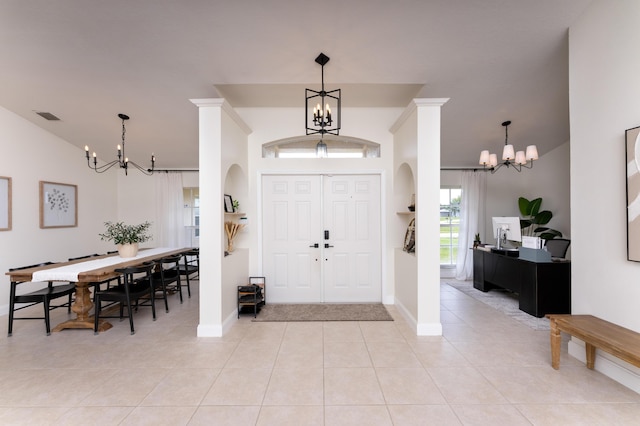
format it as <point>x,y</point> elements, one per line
<point>120,233</point>
<point>525,223</point>
<point>534,208</point>
<point>543,217</point>
<point>523,205</point>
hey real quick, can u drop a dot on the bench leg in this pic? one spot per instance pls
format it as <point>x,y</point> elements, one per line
<point>555,344</point>
<point>591,355</point>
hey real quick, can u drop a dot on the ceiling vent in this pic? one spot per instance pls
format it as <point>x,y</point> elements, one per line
<point>48,116</point>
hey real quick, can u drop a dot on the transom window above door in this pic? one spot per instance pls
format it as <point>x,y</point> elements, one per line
<point>305,147</point>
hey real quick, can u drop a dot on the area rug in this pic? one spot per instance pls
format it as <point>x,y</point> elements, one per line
<point>323,312</point>
<point>503,301</point>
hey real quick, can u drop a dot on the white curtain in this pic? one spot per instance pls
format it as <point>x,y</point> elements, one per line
<point>169,210</point>
<point>474,186</point>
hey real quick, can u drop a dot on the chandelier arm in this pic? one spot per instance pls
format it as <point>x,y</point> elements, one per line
<point>104,167</point>
<point>530,165</point>
<point>147,172</point>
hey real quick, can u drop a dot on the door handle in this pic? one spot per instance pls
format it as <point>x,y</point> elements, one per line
<point>326,245</point>
<point>316,245</point>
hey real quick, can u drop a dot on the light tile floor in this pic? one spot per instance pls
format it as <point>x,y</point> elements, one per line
<point>485,370</point>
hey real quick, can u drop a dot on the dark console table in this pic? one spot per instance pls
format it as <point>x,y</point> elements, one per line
<point>543,287</point>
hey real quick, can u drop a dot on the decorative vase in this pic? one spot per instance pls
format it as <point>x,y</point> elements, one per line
<point>128,250</point>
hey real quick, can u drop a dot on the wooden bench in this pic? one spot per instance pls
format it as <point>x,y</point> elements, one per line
<point>595,333</point>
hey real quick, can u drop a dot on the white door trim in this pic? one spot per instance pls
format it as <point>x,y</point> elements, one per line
<point>387,293</point>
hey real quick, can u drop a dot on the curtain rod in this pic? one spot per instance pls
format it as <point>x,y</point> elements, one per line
<point>474,169</point>
<point>176,170</point>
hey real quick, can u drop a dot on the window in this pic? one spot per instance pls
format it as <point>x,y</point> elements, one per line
<point>337,147</point>
<point>449,225</point>
<point>192,215</point>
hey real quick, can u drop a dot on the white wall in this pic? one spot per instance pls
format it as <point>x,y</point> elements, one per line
<point>235,267</point>
<point>405,163</point>
<point>28,155</point>
<point>417,155</point>
<point>604,101</point>
<point>223,148</point>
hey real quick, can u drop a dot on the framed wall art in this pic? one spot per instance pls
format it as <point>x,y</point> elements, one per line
<point>5,203</point>
<point>58,205</point>
<point>632,155</point>
<point>228,204</point>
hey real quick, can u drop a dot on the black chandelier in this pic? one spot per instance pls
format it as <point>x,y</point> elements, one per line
<point>122,160</point>
<point>325,106</point>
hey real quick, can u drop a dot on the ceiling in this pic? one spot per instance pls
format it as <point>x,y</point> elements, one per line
<point>85,62</point>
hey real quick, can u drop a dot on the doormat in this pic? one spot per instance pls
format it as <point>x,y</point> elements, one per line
<point>323,312</point>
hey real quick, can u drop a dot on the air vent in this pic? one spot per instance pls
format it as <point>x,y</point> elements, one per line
<point>48,116</point>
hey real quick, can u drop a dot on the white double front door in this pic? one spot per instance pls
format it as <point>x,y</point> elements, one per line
<point>321,238</point>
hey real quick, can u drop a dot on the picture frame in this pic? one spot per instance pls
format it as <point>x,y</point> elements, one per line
<point>228,203</point>
<point>632,157</point>
<point>5,203</point>
<point>58,205</point>
<point>410,237</point>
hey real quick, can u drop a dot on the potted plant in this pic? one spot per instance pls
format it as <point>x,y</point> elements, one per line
<point>126,237</point>
<point>476,240</point>
<point>532,220</point>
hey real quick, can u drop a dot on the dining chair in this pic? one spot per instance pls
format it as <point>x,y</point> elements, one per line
<point>190,265</point>
<point>83,257</point>
<point>43,295</point>
<point>558,247</point>
<point>133,288</point>
<point>167,277</point>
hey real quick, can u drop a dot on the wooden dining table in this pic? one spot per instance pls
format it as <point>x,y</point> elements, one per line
<point>85,272</point>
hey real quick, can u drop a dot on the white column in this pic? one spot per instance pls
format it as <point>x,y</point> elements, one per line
<point>211,229</point>
<point>428,216</point>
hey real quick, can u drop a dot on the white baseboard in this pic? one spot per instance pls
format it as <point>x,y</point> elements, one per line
<point>229,321</point>
<point>406,315</point>
<point>426,329</point>
<point>214,330</point>
<point>447,272</point>
<point>612,367</point>
<point>209,330</point>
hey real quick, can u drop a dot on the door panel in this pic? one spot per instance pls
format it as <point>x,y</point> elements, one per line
<point>346,266</point>
<point>291,214</point>
<point>352,270</point>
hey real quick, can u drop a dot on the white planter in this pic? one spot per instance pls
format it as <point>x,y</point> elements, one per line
<point>128,250</point>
